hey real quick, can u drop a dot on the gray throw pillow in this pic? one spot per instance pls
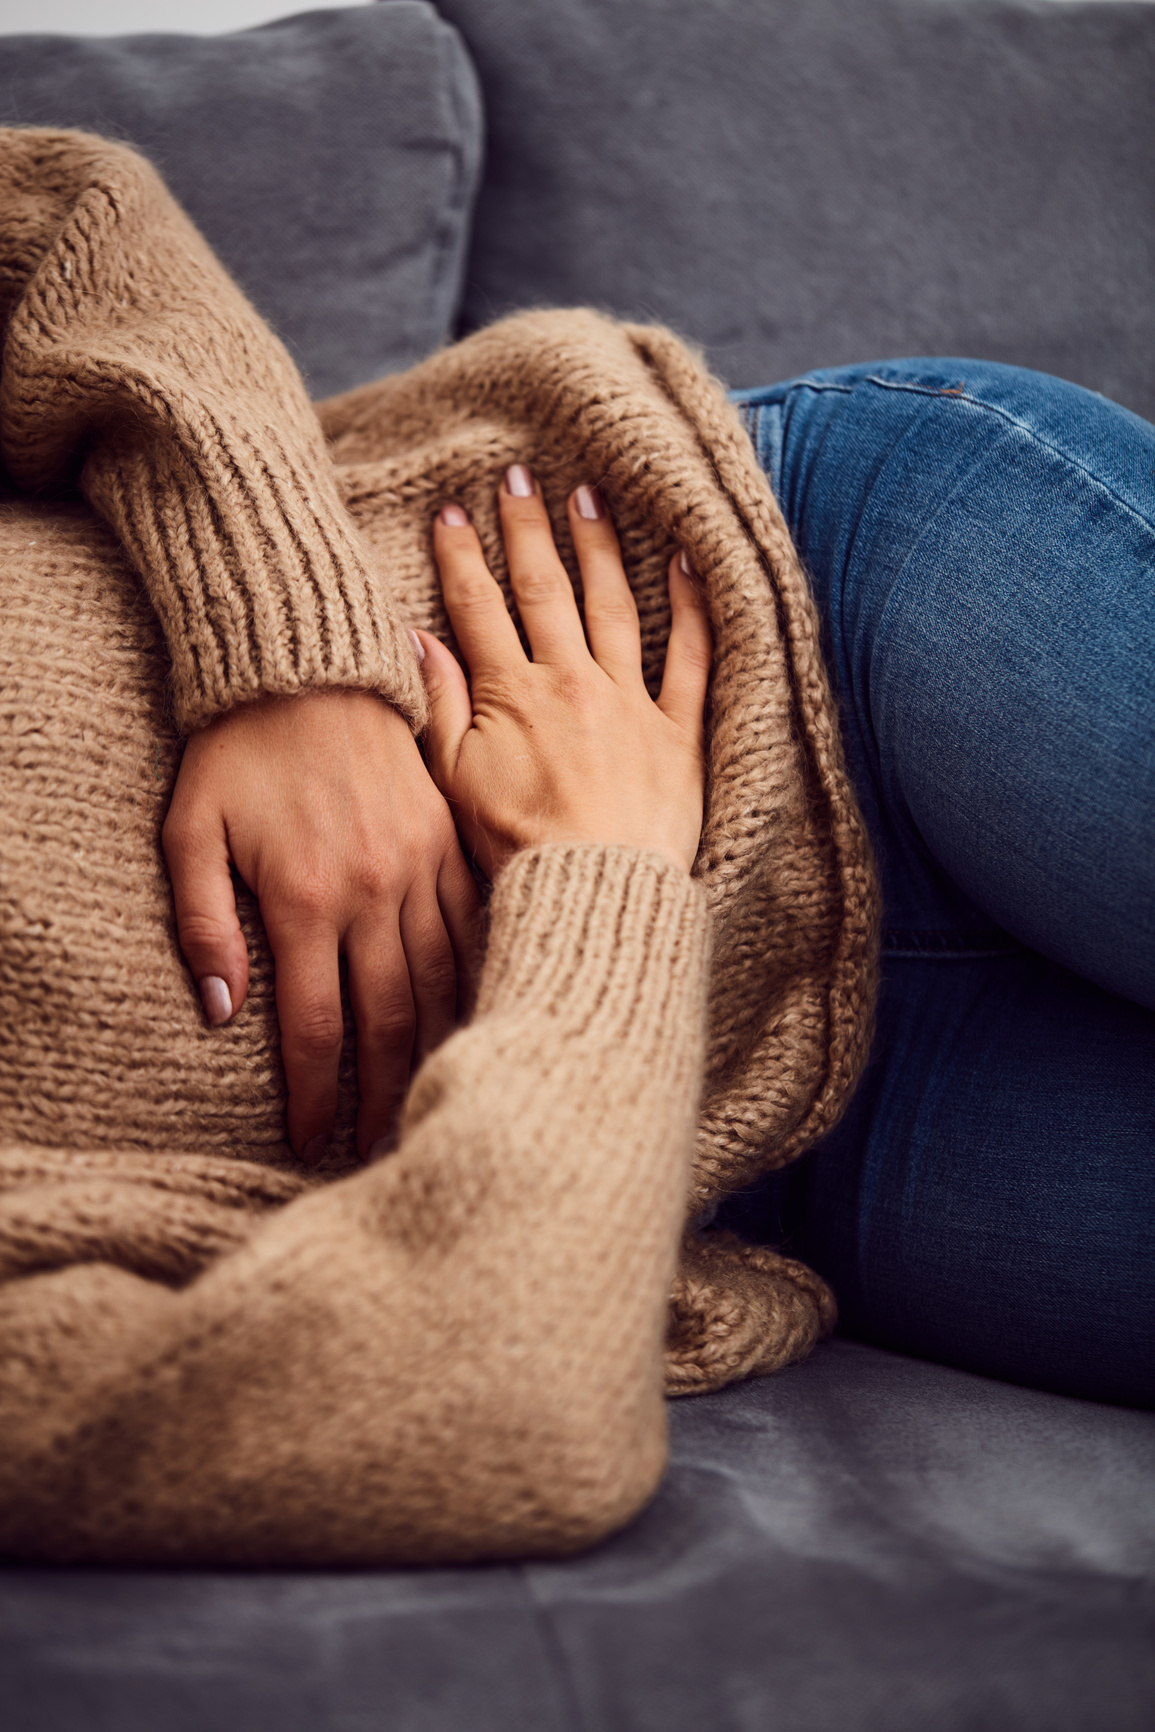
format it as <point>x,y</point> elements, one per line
<point>330,159</point>
<point>799,183</point>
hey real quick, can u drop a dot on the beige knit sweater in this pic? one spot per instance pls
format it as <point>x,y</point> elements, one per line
<point>460,1351</point>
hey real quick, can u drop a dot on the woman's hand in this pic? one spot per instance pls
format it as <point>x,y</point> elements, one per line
<point>323,805</point>
<point>568,747</point>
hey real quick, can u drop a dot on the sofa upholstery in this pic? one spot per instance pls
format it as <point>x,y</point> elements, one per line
<point>797,186</point>
<point>330,159</point>
<point>864,1543</point>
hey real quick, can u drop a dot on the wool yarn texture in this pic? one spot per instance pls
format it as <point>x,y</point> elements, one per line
<point>462,1350</point>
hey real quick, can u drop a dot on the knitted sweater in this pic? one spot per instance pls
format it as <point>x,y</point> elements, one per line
<point>461,1350</point>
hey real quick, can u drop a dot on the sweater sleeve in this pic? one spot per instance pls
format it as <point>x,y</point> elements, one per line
<point>134,367</point>
<point>454,1354</point>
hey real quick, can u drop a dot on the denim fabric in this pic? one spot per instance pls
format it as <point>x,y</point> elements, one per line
<point>981,544</point>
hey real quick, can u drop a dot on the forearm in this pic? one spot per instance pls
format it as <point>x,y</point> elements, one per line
<point>134,365</point>
<point>455,1354</point>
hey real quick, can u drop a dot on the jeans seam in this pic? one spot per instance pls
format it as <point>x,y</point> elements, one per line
<point>751,405</point>
<point>961,396</point>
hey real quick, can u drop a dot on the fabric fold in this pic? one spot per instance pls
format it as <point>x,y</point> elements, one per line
<point>455,1353</point>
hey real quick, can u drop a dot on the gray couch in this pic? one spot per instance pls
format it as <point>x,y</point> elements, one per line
<point>864,1543</point>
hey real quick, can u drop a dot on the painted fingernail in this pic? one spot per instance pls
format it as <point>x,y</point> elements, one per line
<point>315,1149</point>
<point>686,568</point>
<point>454,516</point>
<point>418,646</point>
<point>519,481</point>
<point>589,502</point>
<point>215,998</point>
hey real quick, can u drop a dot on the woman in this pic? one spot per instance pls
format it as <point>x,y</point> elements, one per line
<point>209,1350</point>
<point>486,1378</point>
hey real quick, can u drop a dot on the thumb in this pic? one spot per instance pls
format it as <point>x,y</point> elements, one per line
<point>450,710</point>
<point>206,919</point>
<point>689,652</point>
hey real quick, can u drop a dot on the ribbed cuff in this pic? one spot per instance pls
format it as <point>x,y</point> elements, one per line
<point>261,584</point>
<point>580,932</point>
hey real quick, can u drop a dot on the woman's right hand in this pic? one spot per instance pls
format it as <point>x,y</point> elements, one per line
<point>568,747</point>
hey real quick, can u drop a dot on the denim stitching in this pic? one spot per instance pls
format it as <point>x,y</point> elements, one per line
<point>756,391</point>
<point>960,396</point>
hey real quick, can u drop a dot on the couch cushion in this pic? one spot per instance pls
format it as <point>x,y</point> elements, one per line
<point>862,1544</point>
<point>799,185</point>
<point>330,159</point>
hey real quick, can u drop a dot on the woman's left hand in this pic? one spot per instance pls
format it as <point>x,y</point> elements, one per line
<point>325,808</point>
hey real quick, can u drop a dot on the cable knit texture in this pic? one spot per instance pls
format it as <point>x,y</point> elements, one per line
<point>460,1351</point>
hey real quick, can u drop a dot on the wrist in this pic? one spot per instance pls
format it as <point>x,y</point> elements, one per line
<point>566,916</point>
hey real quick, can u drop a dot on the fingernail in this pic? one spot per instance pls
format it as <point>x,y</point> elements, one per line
<point>315,1149</point>
<point>215,998</point>
<point>589,503</point>
<point>454,516</point>
<point>686,568</point>
<point>418,646</point>
<point>519,481</point>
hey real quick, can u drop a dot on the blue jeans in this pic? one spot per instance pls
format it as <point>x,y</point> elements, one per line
<point>981,544</point>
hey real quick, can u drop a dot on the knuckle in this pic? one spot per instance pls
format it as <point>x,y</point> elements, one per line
<point>318,1032</point>
<point>202,932</point>
<point>616,612</point>
<point>308,898</point>
<point>390,1024</point>
<point>439,978</point>
<point>381,875</point>
<point>373,876</point>
<point>541,584</point>
<point>574,692</point>
<point>509,693</point>
<point>473,592</point>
